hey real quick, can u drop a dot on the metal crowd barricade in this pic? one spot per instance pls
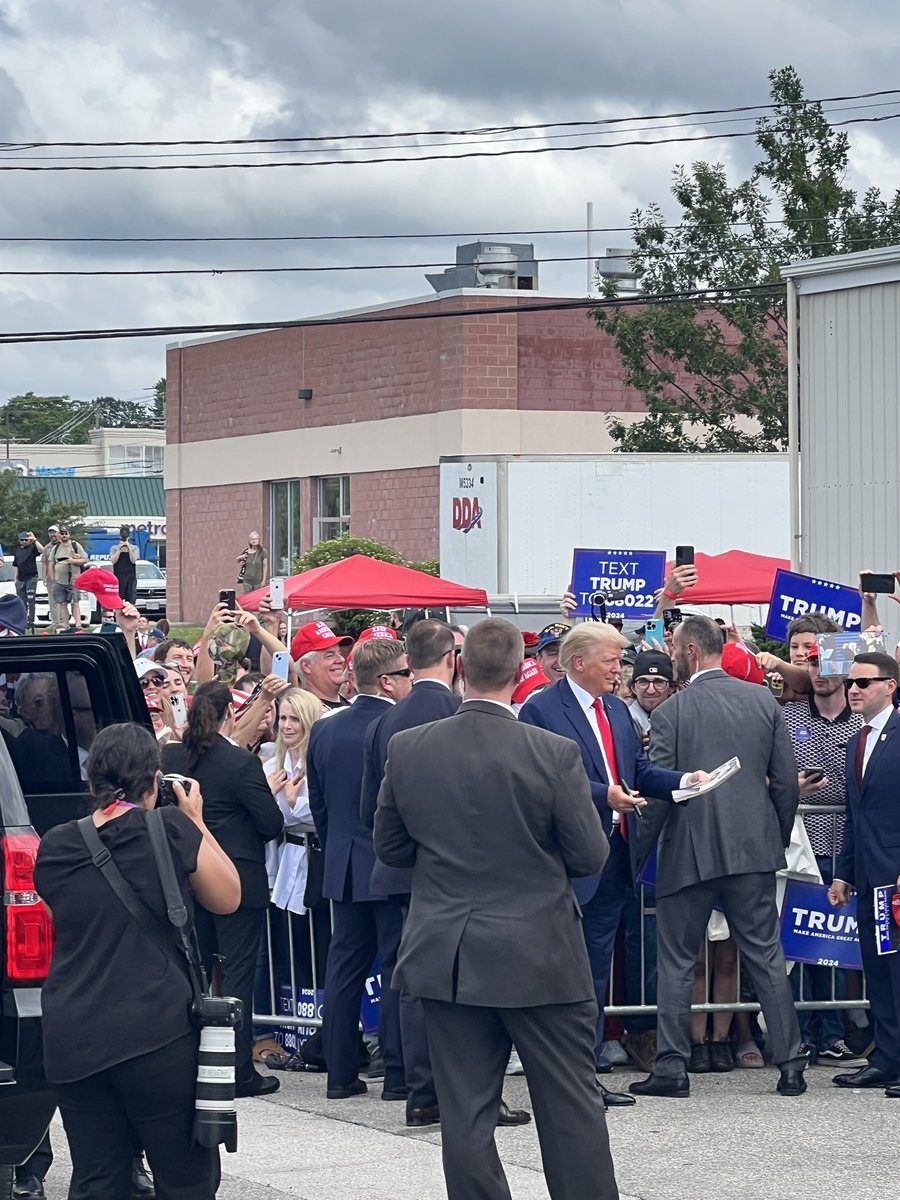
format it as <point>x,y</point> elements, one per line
<point>288,1012</point>
<point>644,1006</point>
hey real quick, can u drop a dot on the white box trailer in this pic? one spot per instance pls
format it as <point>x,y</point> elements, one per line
<point>509,524</point>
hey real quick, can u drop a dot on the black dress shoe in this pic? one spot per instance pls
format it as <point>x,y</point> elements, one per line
<point>662,1085</point>
<point>141,1184</point>
<point>866,1077</point>
<point>791,1082</point>
<point>258,1085</point>
<point>604,1066</point>
<point>512,1116</point>
<point>416,1117</point>
<point>394,1093</point>
<point>614,1099</point>
<point>356,1088</point>
<point>700,1062</point>
<point>29,1187</point>
<point>893,1093</point>
<point>720,1057</point>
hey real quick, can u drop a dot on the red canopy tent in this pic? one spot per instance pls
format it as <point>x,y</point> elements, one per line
<point>734,577</point>
<point>363,582</point>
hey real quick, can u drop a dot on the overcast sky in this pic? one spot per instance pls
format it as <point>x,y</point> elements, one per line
<point>179,69</point>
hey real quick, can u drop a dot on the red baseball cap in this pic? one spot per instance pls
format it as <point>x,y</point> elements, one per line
<point>531,677</point>
<point>530,638</point>
<point>315,635</point>
<point>377,631</point>
<point>739,662</point>
<point>103,585</point>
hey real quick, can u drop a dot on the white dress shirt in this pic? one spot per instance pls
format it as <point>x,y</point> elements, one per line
<point>877,725</point>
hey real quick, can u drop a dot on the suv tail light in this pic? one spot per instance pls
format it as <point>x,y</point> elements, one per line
<point>29,931</point>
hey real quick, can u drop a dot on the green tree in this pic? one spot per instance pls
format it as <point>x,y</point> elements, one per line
<point>352,621</point>
<point>30,418</point>
<point>713,374</point>
<point>112,413</point>
<point>159,401</point>
<point>30,509</point>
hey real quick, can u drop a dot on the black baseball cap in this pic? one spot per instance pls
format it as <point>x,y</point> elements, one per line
<point>653,662</point>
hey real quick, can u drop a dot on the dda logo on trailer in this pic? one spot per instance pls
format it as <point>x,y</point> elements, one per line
<point>467,512</point>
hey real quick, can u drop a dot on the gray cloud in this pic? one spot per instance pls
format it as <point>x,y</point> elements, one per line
<point>235,68</point>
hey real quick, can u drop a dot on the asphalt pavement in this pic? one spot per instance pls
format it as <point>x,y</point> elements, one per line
<point>733,1139</point>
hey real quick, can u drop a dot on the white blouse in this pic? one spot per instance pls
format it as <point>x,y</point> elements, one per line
<point>286,861</point>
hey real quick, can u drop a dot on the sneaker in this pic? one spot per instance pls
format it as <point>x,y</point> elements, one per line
<point>808,1050</point>
<point>839,1051</point>
<point>514,1066</point>
<point>614,1053</point>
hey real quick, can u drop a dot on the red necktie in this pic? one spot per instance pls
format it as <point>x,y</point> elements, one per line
<point>861,753</point>
<point>609,752</point>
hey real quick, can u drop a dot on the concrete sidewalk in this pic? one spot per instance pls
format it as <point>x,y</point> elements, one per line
<point>734,1139</point>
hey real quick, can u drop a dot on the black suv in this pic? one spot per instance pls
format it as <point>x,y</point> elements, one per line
<point>55,694</point>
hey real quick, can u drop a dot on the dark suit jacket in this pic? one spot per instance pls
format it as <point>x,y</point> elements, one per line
<point>428,701</point>
<point>743,826</point>
<point>870,856</point>
<point>558,710</point>
<point>494,817</point>
<point>334,768</point>
<point>238,808</point>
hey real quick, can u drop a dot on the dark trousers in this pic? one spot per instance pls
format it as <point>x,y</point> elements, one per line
<point>748,902</point>
<point>128,589</point>
<point>416,1059</point>
<point>602,914</point>
<point>469,1050</point>
<point>235,939</point>
<point>362,929</point>
<point>882,988</point>
<point>149,1100</point>
<point>39,1163</point>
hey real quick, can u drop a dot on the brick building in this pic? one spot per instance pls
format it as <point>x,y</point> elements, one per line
<point>248,447</point>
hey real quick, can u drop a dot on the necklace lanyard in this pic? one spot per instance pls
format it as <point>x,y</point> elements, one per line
<point>110,808</point>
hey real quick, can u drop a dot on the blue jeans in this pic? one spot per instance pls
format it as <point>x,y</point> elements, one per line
<point>824,1027</point>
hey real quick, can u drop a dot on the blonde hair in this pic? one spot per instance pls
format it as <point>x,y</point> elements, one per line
<point>585,637</point>
<point>307,709</point>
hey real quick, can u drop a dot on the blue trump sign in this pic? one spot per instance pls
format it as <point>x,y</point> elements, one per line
<point>637,573</point>
<point>796,595</point>
<point>813,932</point>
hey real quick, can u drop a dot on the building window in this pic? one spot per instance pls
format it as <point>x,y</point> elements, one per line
<point>332,507</point>
<point>135,460</point>
<point>284,525</point>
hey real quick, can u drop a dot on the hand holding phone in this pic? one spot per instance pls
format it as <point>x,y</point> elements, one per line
<point>179,710</point>
<point>228,597</point>
<point>280,663</point>
<point>653,633</point>
<point>684,556</point>
<point>276,593</point>
<point>881,583</point>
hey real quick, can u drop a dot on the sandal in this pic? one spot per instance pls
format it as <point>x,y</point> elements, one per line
<point>747,1055</point>
<point>265,1046</point>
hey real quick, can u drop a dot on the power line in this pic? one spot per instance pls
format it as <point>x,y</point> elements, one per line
<point>491,141</point>
<point>473,132</point>
<point>713,252</point>
<point>482,235</point>
<point>344,162</point>
<point>699,295</point>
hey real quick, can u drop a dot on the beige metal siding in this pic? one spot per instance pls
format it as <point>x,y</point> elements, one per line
<point>850,434</point>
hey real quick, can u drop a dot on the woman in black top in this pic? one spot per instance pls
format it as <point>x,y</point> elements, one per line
<point>243,815</point>
<point>118,1038</point>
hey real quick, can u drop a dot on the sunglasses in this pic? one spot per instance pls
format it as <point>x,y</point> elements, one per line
<point>149,681</point>
<point>404,671</point>
<point>864,683</point>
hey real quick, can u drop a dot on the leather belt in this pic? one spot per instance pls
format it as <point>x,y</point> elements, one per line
<point>302,839</point>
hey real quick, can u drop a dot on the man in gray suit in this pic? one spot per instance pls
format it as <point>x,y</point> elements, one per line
<point>722,847</point>
<point>494,816</point>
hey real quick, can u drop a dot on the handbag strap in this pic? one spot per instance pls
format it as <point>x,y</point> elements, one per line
<point>158,933</point>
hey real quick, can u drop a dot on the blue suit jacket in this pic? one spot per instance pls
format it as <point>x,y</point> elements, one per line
<point>557,709</point>
<point>428,701</point>
<point>334,770</point>
<point>870,856</point>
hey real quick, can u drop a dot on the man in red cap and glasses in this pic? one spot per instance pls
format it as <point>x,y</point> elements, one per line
<point>319,654</point>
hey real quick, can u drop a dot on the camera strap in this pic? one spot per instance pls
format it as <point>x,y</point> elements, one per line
<point>158,933</point>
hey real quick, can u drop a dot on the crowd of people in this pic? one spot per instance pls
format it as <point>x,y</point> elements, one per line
<point>337,783</point>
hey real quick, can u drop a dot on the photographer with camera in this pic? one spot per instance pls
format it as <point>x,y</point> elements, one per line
<point>124,558</point>
<point>243,815</point>
<point>128,1078</point>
